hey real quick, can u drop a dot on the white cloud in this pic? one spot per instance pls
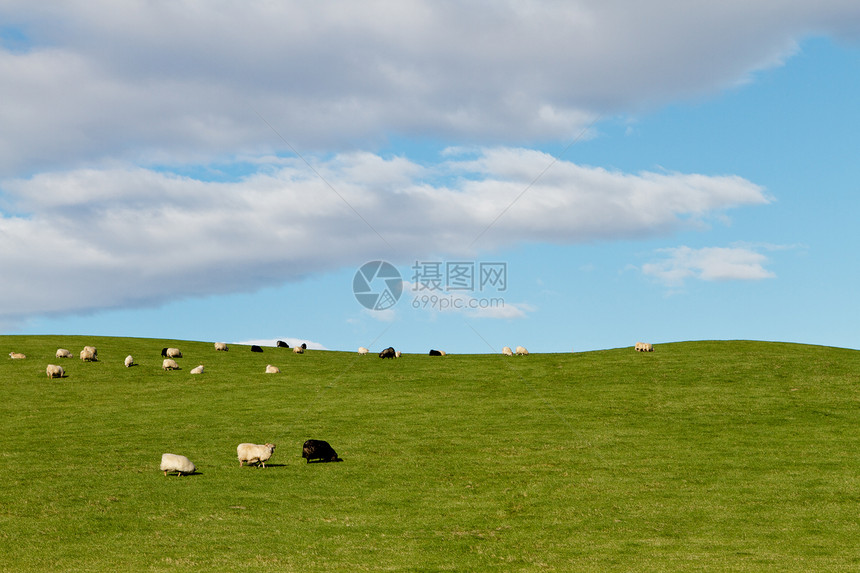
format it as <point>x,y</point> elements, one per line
<point>87,240</point>
<point>708,264</point>
<point>181,81</point>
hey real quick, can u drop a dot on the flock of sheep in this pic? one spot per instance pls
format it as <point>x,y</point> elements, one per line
<point>257,454</point>
<point>90,354</point>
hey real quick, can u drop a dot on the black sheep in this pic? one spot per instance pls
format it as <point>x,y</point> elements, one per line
<point>319,450</point>
<point>256,348</point>
<point>387,353</point>
<point>435,353</point>
<point>282,344</point>
<point>304,346</point>
<point>164,352</point>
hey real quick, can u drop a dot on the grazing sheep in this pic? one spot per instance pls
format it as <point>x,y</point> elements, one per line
<point>221,346</point>
<point>164,352</point>
<point>507,351</point>
<point>435,353</point>
<point>397,354</point>
<point>388,353</point>
<point>174,353</point>
<point>197,370</point>
<point>93,350</point>
<point>298,350</point>
<point>644,347</point>
<point>17,356</point>
<point>254,453</point>
<point>55,371</point>
<point>176,463</point>
<point>169,364</point>
<point>282,344</point>
<point>256,348</point>
<point>63,353</point>
<point>129,361</point>
<point>362,350</point>
<point>319,450</point>
<point>272,369</point>
<point>521,351</point>
<point>304,346</point>
<point>87,355</point>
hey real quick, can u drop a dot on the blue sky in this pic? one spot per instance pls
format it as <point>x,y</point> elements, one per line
<point>647,175</point>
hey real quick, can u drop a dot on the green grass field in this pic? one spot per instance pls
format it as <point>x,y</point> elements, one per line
<point>700,456</point>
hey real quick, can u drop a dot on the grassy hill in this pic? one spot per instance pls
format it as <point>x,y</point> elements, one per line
<point>718,456</point>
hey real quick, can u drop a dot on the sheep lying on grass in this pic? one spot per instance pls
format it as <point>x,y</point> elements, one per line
<point>254,453</point>
<point>298,350</point>
<point>197,370</point>
<point>272,369</point>
<point>176,463</point>
<point>17,356</point>
<point>55,371</point>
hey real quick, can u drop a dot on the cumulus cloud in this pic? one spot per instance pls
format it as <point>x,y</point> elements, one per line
<point>121,237</point>
<point>182,81</point>
<point>708,264</point>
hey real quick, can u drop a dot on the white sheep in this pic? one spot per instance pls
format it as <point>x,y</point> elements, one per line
<point>362,350</point>
<point>55,371</point>
<point>298,350</point>
<point>176,463</point>
<point>521,351</point>
<point>397,354</point>
<point>272,369</point>
<point>173,353</point>
<point>169,364</point>
<point>221,346</point>
<point>254,453</point>
<point>63,353</point>
<point>644,347</point>
<point>88,355</point>
<point>197,370</point>
<point>129,361</point>
<point>93,350</point>
<point>17,356</point>
<point>507,351</point>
